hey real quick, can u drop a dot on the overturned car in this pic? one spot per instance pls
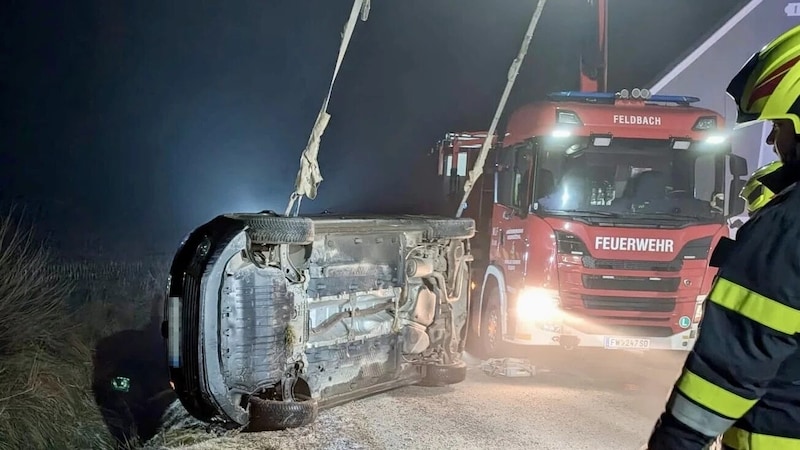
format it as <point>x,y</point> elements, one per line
<point>270,318</point>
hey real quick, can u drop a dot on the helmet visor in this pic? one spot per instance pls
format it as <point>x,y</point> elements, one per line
<point>738,85</point>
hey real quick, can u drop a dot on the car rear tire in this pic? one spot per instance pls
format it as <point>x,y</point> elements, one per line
<point>272,415</point>
<point>444,375</point>
<point>274,230</point>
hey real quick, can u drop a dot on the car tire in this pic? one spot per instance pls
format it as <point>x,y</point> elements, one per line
<point>444,375</point>
<point>274,230</point>
<point>273,415</point>
<point>451,228</point>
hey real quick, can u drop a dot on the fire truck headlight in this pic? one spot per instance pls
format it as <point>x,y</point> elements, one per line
<point>561,133</point>
<point>715,139</point>
<point>681,144</point>
<point>538,305</point>
<point>705,123</point>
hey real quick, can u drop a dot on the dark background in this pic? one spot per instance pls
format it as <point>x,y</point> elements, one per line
<point>125,124</point>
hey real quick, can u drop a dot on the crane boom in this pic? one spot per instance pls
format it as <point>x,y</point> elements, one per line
<point>594,57</point>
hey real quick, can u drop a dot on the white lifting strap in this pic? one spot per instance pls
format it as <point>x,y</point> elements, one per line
<point>477,169</point>
<point>309,176</point>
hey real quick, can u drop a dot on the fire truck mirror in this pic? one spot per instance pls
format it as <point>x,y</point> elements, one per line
<point>738,165</point>
<point>736,203</point>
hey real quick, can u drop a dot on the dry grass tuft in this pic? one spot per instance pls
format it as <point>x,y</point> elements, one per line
<point>51,318</point>
<point>46,401</point>
<point>46,367</point>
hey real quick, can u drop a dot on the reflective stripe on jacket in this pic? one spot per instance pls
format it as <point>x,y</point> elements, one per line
<point>739,439</point>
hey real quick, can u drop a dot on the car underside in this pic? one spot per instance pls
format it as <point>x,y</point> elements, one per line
<point>270,318</point>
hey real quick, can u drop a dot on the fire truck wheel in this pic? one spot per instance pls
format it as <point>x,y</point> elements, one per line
<point>451,228</point>
<point>491,322</point>
<point>273,229</point>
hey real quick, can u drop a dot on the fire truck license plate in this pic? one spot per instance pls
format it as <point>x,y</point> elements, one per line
<point>623,342</point>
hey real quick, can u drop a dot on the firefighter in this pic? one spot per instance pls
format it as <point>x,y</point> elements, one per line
<point>742,377</point>
<point>756,196</point>
<point>754,193</point>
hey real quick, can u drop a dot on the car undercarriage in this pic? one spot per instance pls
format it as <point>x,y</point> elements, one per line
<point>270,318</point>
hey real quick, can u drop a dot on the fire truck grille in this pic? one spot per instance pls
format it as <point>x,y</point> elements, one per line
<point>628,303</point>
<point>622,283</point>
<point>620,264</point>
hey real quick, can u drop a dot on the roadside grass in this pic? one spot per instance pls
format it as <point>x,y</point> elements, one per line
<point>51,318</point>
<point>184,438</point>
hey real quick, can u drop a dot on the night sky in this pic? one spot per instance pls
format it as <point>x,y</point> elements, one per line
<point>125,124</point>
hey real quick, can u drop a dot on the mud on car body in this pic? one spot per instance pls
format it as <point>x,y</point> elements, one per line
<point>270,318</point>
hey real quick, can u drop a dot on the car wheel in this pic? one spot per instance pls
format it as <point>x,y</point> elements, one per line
<point>272,415</point>
<point>271,229</point>
<point>444,375</point>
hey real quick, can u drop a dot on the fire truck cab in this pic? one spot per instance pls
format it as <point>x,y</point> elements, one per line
<point>597,227</point>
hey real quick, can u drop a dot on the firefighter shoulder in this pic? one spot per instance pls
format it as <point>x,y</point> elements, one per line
<point>741,379</point>
<point>754,192</point>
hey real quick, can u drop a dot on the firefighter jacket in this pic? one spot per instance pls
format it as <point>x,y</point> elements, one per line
<point>742,377</point>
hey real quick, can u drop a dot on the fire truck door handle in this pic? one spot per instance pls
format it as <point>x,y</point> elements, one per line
<point>502,237</point>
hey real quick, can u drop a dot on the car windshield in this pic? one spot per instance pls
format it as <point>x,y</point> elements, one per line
<point>630,178</point>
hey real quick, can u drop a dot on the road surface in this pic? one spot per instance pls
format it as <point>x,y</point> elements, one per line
<point>591,401</point>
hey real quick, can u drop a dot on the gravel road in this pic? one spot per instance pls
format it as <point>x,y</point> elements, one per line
<point>590,400</point>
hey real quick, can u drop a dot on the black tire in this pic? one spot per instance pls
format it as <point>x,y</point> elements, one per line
<point>461,228</point>
<point>273,415</point>
<point>491,325</point>
<point>270,229</point>
<point>436,375</point>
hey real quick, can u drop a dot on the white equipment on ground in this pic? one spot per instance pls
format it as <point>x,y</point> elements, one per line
<point>508,367</point>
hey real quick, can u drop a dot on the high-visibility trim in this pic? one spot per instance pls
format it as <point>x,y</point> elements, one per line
<point>755,306</point>
<point>696,417</point>
<point>713,397</point>
<point>770,81</point>
<point>739,439</point>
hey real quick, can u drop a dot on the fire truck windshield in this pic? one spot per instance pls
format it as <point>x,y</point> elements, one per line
<point>629,178</point>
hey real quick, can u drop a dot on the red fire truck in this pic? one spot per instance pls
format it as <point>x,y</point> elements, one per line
<point>597,226</point>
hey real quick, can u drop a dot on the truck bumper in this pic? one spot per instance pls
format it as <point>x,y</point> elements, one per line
<point>556,333</point>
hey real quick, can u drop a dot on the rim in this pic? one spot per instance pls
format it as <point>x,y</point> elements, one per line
<point>491,329</point>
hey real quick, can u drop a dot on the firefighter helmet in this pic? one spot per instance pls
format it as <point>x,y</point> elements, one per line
<point>767,87</point>
<point>754,193</point>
